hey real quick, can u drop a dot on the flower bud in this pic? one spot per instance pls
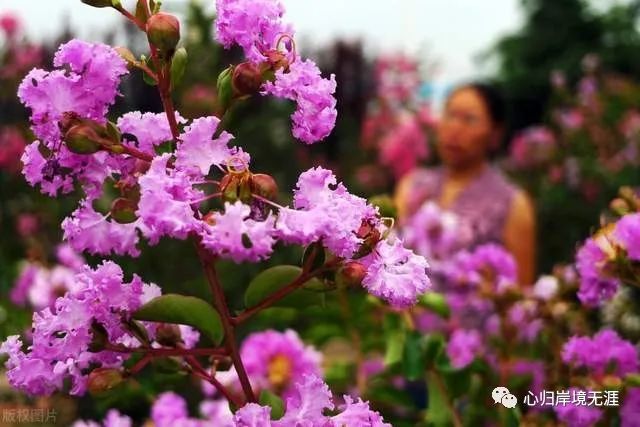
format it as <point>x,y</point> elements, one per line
<point>612,382</point>
<point>123,211</point>
<point>98,3</point>
<point>163,31</point>
<point>264,185</point>
<point>351,274</point>
<point>104,379</point>
<point>99,337</point>
<point>168,335</point>
<point>619,206</point>
<point>82,139</point>
<point>246,79</point>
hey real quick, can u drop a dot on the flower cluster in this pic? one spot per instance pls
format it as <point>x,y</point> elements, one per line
<point>257,27</point>
<point>306,407</point>
<point>533,147</point>
<point>604,351</point>
<point>607,259</point>
<point>62,336</point>
<point>39,285</point>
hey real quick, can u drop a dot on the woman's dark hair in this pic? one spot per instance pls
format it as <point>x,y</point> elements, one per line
<point>492,98</point>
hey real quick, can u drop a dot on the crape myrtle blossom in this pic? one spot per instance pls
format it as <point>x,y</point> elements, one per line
<point>578,415</point>
<point>278,360</point>
<point>606,349</point>
<point>258,28</point>
<point>63,335</point>
<point>306,409</point>
<point>39,285</point>
<point>596,285</point>
<point>86,89</point>
<point>112,419</point>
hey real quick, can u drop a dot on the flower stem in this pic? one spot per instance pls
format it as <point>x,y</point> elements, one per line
<point>220,303</point>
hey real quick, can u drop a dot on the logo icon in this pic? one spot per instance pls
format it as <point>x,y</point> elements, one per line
<point>503,396</point>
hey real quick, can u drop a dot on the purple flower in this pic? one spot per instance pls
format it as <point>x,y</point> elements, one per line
<point>305,408</point>
<point>253,415</point>
<point>331,213</point>
<point>463,347</point>
<point>395,274</point>
<point>88,89</point>
<point>199,150</point>
<point>88,230</point>
<point>278,360</point>
<point>546,287</point>
<point>254,25</point>
<point>149,130</point>
<point>168,410</point>
<point>591,260</point>
<point>316,112</point>
<point>578,416</point>
<point>600,352</point>
<point>627,233</point>
<point>166,198</point>
<point>234,235</point>
<point>630,411</point>
<point>62,334</point>
<point>487,263</point>
<point>357,413</point>
<point>306,405</point>
<point>113,419</point>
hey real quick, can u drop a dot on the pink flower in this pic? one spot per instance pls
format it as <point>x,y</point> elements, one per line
<point>463,347</point>
<point>254,25</point>
<point>198,150</point>
<point>533,147</point>
<point>395,274</point>
<point>236,236</point>
<point>145,131</point>
<point>403,147</point>
<point>62,334</point>
<point>316,112</point>
<point>166,198</point>
<point>278,360</point>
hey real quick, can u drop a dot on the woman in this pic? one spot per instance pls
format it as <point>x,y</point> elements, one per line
<point>471,127</point>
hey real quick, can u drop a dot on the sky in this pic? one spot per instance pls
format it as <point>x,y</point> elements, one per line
<point>450,32</point>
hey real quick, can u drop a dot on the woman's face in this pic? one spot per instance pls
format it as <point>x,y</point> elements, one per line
<point>466,131</point>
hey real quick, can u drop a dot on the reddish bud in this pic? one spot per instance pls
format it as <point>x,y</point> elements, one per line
<point>168,335</point>
<point>163,31</point>
<point>123,211</point>
<point>351,274</point>
<point>246,79</point>
<point>104,379</point>
<point>82,139</point>
<point>264,185</point>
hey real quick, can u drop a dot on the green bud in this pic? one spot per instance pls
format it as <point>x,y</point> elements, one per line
<point>178,65</point>
<point>123,211</point>
<point>82,139</point>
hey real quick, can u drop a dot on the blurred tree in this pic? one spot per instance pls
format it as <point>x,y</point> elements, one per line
<point>557,34</point>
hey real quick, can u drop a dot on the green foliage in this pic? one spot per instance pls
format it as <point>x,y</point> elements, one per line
<point>183,310</point>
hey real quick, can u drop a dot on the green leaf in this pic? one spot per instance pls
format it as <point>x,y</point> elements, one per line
<point>413,360</point>
<point>395,347</point>
<point>178,65</point>
<point>434,346</point>
<point>436,303</point>
<point>277,405</point>
<point>273,279</point>
<point>147,79</point>
<point>438,412</point>
<point>183,310</point>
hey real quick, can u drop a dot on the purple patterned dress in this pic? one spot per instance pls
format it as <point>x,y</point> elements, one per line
<point>484,204</point>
